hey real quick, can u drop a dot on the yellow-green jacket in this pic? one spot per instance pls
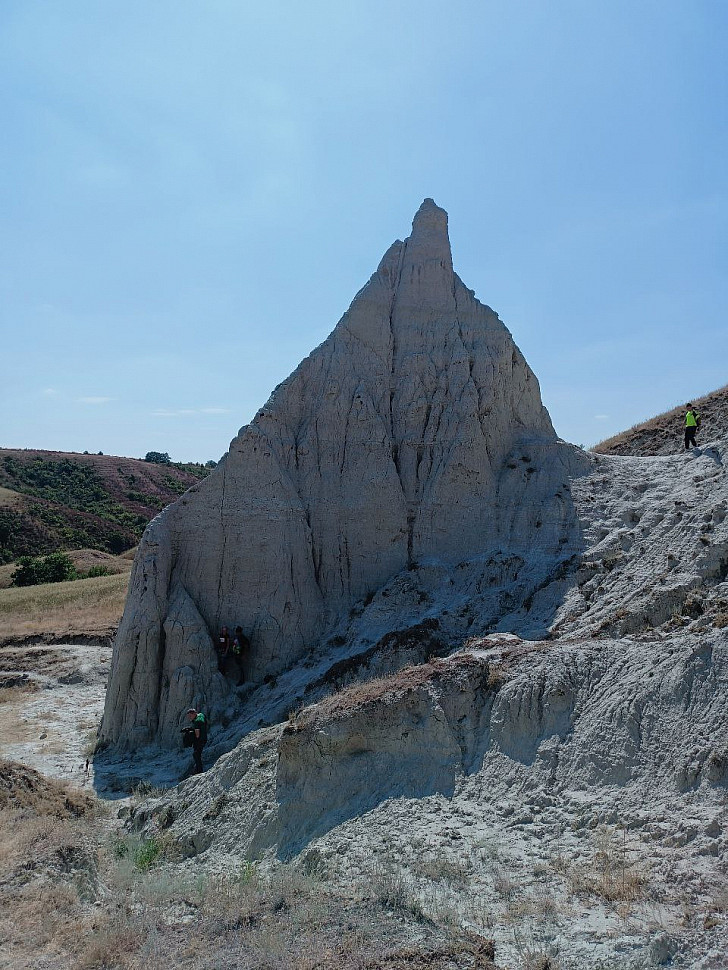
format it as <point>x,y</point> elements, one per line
<point>691,420</point>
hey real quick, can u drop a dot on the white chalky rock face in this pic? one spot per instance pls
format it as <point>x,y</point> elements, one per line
<point>383,449</point>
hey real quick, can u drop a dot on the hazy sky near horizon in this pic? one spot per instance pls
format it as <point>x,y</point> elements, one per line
<point>192,193</point>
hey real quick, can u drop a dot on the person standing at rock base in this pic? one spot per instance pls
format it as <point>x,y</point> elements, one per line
<point>222,648</point>
<point>692,423</point>
<point>239,649</point>
<point>198,727</point>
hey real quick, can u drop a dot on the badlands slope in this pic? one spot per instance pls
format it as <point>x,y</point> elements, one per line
<point>570,790</point>
<point>513,719</point>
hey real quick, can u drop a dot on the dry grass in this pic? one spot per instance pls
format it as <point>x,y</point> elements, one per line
<point>612,874</point>
<point>87,607</point>
<point>74,895</point>
<point>668,422</point>
<point>439,868</point>
<point>9,498</point>
<point>6,574</point>
<point>403,681</point>
<point>24,789</point>
<point>48,867</point>
<point>85,559</point>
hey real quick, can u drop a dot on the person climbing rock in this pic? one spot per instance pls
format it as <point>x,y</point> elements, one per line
<point>239,649</point>
<point>222,648</point>
<point>692,423</point>
<point>195,736</point>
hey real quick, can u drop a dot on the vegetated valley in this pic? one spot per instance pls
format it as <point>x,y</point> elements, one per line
<point>52,500</point>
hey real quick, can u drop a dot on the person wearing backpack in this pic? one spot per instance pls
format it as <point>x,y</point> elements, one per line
<point>197,734</point>
<point>692,423</point>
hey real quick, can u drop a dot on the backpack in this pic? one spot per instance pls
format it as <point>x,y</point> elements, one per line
<point>239,644</point>
<point>200,723</point>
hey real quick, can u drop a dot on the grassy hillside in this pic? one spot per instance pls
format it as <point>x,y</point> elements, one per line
<point>90,608</point>
<point>52,500</point>
<point>663,434</point>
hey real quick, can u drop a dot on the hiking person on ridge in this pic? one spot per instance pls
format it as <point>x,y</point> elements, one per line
<point>198,733</point>
<point>692,423</point>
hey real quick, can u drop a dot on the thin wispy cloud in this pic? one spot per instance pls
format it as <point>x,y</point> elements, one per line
<point>49,391</point>
<point>601,417</point>
<point>94,400</point>
<point>186,412</point>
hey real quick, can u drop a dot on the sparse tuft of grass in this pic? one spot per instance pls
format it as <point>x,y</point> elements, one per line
<point>147,853</point>
<point>439,868</point>
<point>612,874</point>
<point>393,891</point>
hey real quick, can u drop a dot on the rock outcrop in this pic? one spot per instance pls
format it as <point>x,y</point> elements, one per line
<point>608,723</point>
<point>414,436</point>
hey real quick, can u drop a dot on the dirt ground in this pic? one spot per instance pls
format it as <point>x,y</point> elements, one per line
<point>51,701</point>
<point>80,890</point>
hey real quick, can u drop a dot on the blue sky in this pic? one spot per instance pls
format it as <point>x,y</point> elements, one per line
<point>191,194</point>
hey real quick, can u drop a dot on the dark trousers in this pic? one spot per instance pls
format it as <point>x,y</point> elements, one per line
<point>690,437</point>
<point>197,755</point>
<point>235,669</point>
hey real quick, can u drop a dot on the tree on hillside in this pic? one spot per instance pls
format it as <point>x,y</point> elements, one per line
<point>55,568</point>
<point>158,457</point>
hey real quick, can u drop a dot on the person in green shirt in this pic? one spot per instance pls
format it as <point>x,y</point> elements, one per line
<point>692,423</point>
<point>198,726</point>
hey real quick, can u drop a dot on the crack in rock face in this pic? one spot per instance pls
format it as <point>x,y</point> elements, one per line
<point>413,434</point>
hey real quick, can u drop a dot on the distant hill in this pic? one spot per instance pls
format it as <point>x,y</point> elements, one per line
<point>53,500</point>
<point>663,434</point>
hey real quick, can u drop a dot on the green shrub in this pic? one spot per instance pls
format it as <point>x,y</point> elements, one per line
<point>55,568</point>
<point>174,485</point>
<point>98,571</point>
<point>116,543</point>
<point>120,848</point>
<point>147,853</point>
<point>158,458</point>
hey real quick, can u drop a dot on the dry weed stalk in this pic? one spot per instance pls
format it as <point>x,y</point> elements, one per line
<point>613,875</point>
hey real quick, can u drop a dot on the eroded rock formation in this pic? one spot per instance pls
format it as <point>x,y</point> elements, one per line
<point>414,435</point>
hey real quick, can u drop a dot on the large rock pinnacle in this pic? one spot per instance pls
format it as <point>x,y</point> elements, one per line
<point>384,449</point>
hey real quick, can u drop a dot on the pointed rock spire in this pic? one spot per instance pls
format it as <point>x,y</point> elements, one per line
<point>429,226</point>
<point>383,449</point>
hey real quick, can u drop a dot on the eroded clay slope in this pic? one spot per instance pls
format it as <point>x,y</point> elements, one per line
<point>503,717</point>
<point>386,449</point>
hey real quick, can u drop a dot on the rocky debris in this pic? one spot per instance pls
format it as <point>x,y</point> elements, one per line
<point>51,707</point>
<point>598,716</point>
<point>655,533</point>
<point>414,435</point>
<point>595,769</point>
